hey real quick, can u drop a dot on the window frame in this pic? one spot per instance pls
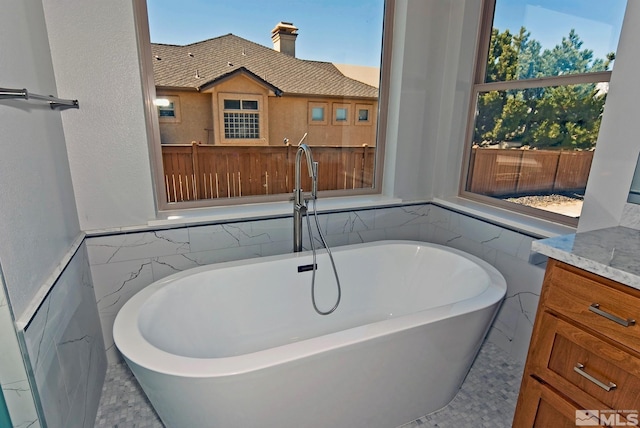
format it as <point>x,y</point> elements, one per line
<point>174,101</point>
<point>222,136</point>
<point>325,109</point>
<point>141,22</point>
<point>335,108</point>
<point>478,86</point>
<point>357,109</point>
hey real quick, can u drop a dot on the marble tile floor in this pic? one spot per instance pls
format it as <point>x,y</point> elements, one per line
<point>487,398</point>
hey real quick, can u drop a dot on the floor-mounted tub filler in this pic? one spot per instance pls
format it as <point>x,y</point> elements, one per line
<point>239,344</point>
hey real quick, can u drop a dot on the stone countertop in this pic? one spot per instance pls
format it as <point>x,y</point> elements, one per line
<point>613,252</point>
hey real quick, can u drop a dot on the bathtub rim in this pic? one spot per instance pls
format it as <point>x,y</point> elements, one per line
<point>131,343</point>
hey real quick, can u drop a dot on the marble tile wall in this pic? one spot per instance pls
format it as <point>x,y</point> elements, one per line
<point>510,253</point>
<point>123,264</point>
<point>66,349</point>
<point>630,216</point>
<point>13,376</point>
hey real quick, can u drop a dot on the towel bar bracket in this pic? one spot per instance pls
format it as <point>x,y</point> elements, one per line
<point>54,102</point>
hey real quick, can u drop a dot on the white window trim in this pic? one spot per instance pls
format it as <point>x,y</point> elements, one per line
<point>479,86</point>
<point>153,129</point>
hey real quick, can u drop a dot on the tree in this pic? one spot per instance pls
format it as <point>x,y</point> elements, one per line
<point>561,117</point>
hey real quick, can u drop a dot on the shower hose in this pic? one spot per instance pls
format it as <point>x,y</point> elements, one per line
<point>315,267</point>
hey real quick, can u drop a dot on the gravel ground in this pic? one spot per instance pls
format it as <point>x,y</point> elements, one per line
<point>569,204</point>
<point>545,200</point>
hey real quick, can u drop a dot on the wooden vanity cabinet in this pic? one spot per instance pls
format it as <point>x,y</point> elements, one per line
<point>584,352</point>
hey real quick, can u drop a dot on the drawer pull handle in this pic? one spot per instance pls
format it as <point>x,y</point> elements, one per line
<point>579,368</point>
<point>595,308</point>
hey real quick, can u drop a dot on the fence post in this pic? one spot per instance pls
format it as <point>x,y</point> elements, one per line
<point>365,163</point>
<point>289,169</point>
<point>196,170</point>
<point>555,175</point>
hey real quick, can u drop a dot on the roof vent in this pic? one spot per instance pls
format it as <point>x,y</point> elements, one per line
<point>284,38</point>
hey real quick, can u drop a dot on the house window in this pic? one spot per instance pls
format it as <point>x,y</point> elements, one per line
<point>317,113</point>
<point>168,108</point>
<point>540,88</point>
<point>363,114</point>
<point>241,120</point>
<point>341,114</point>
<point>240,99</point>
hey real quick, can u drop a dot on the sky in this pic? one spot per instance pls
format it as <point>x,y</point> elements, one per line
<point>350,31</point>
<point>338,31</point>
<point>597,22</point>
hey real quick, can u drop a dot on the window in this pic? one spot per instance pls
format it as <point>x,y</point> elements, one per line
<point>241,97</point>
<point>317,113</point>
<point>341,114</point>
<point>241,119</point>
<point>168,108</point>
<point>540,89</point>
<point>363,114</point>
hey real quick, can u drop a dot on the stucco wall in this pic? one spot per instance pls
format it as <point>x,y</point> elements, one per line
<point>240,85</point>
<point>195,118</point>
<point>289,117</point>
<point>281,117</point>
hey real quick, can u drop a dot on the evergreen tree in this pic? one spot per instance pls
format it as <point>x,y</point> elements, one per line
<point>563,117</point>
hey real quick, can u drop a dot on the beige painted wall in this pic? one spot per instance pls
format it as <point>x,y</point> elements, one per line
<point>240,85</point>
<point>280,117</point>
<point>195,116</point>
<point>290,118</point>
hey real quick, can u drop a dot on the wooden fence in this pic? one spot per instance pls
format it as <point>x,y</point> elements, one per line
<point>500,172</point>
<point>194,171</point>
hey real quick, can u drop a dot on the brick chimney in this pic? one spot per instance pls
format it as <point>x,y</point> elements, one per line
<point>284,38</point>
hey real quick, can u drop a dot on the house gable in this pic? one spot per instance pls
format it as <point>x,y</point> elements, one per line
<point>235,76</point>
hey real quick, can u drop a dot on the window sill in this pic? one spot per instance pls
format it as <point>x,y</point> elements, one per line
<point>511,220</point>
<point>264,210</point>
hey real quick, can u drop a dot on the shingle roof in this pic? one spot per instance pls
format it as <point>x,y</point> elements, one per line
<point>199,64</point>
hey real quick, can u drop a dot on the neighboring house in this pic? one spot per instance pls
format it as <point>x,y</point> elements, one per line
<point>231,91</point>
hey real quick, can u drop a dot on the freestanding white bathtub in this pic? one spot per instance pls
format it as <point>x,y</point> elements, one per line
<point>239,344</point>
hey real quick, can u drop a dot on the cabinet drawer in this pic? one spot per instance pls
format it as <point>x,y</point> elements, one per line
<point>601,308</point>
<point>580,363</point>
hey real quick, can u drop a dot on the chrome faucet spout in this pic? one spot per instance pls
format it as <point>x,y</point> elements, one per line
<point>299,207</point>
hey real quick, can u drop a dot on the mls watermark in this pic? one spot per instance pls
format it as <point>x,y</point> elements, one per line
<point>612,418</point>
